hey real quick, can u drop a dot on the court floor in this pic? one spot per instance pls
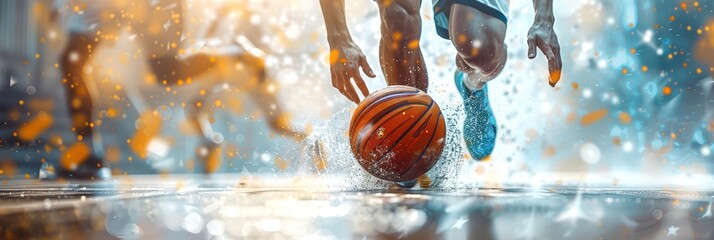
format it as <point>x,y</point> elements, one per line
<point>235,207</point>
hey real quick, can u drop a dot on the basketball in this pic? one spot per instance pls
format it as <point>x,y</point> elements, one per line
<point>397,133</point>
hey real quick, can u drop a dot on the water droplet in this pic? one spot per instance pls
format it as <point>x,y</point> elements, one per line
<point>31,90</point>
<point>217,137</point>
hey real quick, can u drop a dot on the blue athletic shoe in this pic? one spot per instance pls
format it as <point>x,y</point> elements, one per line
<point>480,124</point>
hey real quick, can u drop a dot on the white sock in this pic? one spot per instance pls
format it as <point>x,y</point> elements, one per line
<point>474,80</point>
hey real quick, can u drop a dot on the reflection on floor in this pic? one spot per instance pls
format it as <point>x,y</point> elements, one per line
<point>161,207</point>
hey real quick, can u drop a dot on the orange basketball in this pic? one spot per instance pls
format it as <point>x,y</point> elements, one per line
<point>397,133</point>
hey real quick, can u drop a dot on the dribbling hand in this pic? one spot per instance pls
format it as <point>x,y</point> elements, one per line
<point>345,62</point>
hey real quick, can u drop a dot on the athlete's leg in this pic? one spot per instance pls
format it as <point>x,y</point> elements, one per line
<point>171,68</point>
<point>265,96</point>
<point>209,151</point>
<point>481,55</point>
<point>399,50</point>
<point>161,48</point>
<point>478,38</point>
<point>74,58</point>
<point>79,101</point>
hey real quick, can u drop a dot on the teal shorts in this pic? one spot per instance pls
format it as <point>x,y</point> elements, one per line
<point>494,8</point>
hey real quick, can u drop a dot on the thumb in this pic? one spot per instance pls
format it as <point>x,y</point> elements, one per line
<point>531,47</point>
<point>365,67</point>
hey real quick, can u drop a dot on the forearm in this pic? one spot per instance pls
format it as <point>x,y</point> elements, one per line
<point>543,12</point>
<point>333,12</point>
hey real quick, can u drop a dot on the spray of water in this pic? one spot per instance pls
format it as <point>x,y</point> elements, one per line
<point>329,143</point>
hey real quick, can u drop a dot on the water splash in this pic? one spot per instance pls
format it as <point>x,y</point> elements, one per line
<point>330,144</point>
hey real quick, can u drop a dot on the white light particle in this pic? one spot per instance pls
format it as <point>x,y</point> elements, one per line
<point>192,223</point>
<point>216,227</point>
<point>647,37</point>
<point>288,61</point>
<point>705,151</point>
<point>73,57</point>
<point>158,147</point>
<point>203,151</point>
<point>590,153</point>
<point>271,225</point>
<point>476,44</point>
<point>546,107</point>
<point>615,100</point>
<point>266,157</point>
<point>292,31</point>
<point>288,76</point>
<point>610,20</point>
<point>627,146</point>
<point>587,93</point>
<point>255,19</point>
<point>601,64</point>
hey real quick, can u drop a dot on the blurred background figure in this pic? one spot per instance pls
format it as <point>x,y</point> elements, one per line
<point>209,64</point>
<point>158,29</point>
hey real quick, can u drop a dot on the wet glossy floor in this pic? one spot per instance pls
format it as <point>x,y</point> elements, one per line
<point>162,208</point>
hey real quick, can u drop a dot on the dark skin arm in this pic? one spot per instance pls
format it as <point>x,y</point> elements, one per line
<point>346,58</point>
<point>542,36</point>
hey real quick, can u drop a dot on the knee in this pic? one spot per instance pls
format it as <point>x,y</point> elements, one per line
<point>481,50</point>
<point>400,23</point>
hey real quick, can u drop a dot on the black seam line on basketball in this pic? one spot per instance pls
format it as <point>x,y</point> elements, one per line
<point>416,122</point>
<point>388,96</point>
<point>383,122</point>
<point>427,146</point>
<point>400,138</point>
<point>421,128</point>
<point>415,139</point>
<point>374,128</point>
<point>359,115</point>
<point>381,114</point>
<point>403,134</point>
<point>392,132</point>
<point>377,103</point>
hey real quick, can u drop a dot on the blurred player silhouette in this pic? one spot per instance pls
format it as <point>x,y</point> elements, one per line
<point>158,26</point>
<point>477,30</point>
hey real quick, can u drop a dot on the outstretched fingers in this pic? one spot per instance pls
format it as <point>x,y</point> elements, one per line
<point>347,89</point>
<point>366,68</point>
<point>532,47</point>
<point>555,63</point>
<point>360,84</point>
<point>345,71</point>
